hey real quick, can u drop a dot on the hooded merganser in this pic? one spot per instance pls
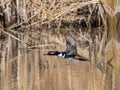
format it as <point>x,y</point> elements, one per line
<point>70,52</point>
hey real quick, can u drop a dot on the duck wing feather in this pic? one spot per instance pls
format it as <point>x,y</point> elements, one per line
<point>71,48</point>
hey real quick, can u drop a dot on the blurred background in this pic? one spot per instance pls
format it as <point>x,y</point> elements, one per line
<point>31,28</point>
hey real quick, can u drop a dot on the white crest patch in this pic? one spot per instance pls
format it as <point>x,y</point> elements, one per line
<point>60,55</point>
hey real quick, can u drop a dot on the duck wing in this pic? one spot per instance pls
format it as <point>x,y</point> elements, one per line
<point>71,48</point>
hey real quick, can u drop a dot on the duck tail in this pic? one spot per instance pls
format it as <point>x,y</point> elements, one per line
<point>83,59</point>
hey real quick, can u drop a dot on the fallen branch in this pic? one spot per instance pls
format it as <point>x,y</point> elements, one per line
<point>13,36</point>
<point>39,46</point>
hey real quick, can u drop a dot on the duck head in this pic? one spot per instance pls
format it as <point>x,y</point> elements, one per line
<point>53,53</point>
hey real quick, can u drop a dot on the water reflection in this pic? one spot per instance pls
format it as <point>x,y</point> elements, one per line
<point>30,71</point>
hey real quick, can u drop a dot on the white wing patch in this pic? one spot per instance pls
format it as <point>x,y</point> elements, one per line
<point>63,56</point>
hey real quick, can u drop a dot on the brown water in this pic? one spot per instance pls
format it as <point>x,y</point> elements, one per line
<point>31,70</point>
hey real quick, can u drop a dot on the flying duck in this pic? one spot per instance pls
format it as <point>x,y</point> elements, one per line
<point>70,52</point>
